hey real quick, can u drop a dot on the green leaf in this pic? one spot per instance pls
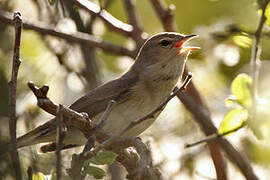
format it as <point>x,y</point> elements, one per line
<point>38,176</point>
<point>242,41</point>
<point>241,90</point>
<point>234,119</point>
<point>98,173</point>
<point>267,12</point>
<point>52,2</point>
<point>267,15</point>
<point>104,157</point>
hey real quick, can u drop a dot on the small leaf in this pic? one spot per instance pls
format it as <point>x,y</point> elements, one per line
<point>104,157</point>
<point>242,41</point>
<point>234,119</point>
<point>38,176</point>
<point>98,173</point>
<point>267,12</point>
<point>267,15</point>
<point>241,90</point>
<point>52,2</point>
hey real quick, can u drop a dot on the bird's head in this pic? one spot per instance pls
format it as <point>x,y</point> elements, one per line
<point>163,47</point>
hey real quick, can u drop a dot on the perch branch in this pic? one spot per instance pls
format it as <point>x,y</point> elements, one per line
<point>140,120</point>
<point>87,127</point>
<point>88,155</point>
<point>17,20</point>
<point>79,120</point>
<point>79,37</point>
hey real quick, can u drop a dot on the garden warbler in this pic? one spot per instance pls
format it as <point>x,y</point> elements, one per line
<point>156,71</point>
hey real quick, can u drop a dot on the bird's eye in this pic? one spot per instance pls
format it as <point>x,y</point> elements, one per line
<point>165,43</point>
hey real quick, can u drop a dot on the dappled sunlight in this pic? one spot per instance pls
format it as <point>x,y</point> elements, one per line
<point>221,73</point>
<point>229,55</point>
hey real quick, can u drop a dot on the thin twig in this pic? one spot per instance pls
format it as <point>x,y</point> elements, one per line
<point>79,37</point>
<point>137,32</point>
<point>164,14</point>
<point>59,140</point>
<point>113,23</point>
<point>17,20</point>
<point>214,137</point>
<point>255,61</point>
<point>30,173</point>
<point>101,122</point>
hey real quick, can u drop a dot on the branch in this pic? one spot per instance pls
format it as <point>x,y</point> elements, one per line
<point>89,129</point>
<point>255,60</point>
<point>214,137</point>
<point>59,140</point>
<point>17,20</point>
<point>165,14</point>
<point>78,164</point>
<point>79,37</point>
<point>137,32</point>
<point>113,23</point>
<point>79,120</point>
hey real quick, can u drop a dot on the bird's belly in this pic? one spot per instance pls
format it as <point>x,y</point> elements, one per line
<point>124,113</point>
<point>134,108</point>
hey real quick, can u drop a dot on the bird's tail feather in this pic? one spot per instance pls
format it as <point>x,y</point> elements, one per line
<point>41,134</point>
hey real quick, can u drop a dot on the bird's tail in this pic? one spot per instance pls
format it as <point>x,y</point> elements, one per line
<point>41,134</point>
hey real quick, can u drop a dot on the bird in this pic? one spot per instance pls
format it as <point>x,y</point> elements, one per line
<point>148,82</point>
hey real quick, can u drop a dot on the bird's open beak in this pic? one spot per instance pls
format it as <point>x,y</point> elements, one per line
<point>180,44</point>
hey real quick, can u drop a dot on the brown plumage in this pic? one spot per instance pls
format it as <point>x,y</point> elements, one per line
<point>148,82</point>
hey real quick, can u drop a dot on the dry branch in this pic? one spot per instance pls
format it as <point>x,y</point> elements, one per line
<point>137,32</point>
<point>79,37</point>
<point>17,20</point>
<point>89,129</point>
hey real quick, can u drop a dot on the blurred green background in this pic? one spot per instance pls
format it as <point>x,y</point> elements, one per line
<point>225,28</point>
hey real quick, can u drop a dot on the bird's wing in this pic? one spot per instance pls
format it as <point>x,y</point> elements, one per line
<point>97,100</point>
